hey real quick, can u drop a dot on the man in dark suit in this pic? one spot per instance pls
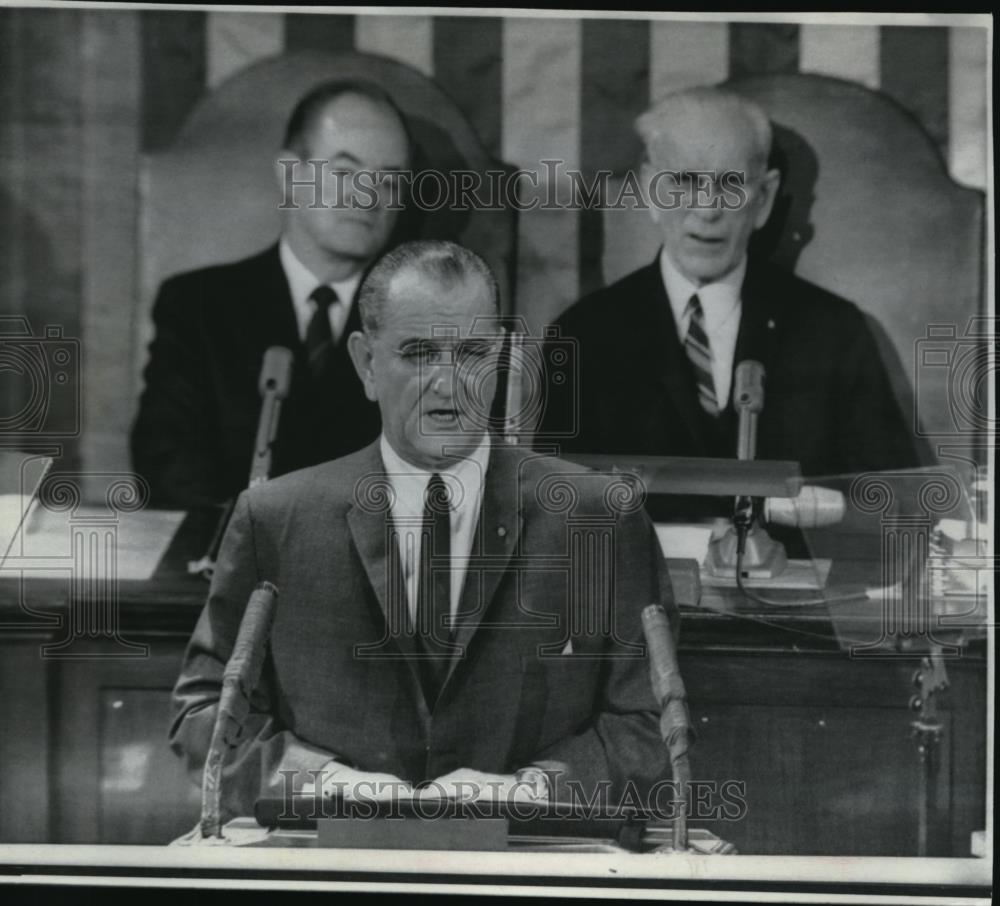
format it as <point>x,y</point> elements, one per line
<point>657,349</point>
<point>194,435</point>
<point>451,609</point>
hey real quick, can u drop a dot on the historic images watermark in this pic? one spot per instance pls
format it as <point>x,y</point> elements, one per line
<point>43,372</point>
<point>956,363</point>
<point>704,800</point>
<point>552,187</point>
<point>80,512</point>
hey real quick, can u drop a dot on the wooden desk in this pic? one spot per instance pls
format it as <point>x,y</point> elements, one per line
<point>820,740</point>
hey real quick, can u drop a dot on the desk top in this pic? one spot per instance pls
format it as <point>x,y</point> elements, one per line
<point>796,621</point>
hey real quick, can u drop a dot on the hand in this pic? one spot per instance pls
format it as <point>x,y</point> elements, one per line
<point>470,785</point>
<point>370,786</point>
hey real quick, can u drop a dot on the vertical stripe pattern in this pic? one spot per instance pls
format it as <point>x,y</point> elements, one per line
<point>615,90</point>
<point>408,39</point>
<point>333,32</point>
<point>467,55</point>
<point>111,96</point>
<point>86,93</point>
<point>915,73</point>
<point>756,49</point>
<point>967,99</point>
<point>541,110</point>
<point>845,51</point>
<point>699,353</point>
<point>235,40</point>
<point>173,72</point>
<point>685,54</point>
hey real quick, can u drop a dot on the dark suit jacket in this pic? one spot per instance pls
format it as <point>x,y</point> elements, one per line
<point>194,435</point>
<point>511,699</point>
<point>828,401</point>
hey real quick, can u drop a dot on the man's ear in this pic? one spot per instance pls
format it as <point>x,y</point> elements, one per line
<point>769,184</point>
<point>360,350</point>
<point>285,162</point>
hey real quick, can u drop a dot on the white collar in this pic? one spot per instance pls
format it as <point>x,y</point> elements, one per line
<point>302,282</point>
<point>719,300</point>
<point>468,473</point>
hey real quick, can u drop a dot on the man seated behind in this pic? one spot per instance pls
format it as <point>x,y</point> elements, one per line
<point>658,348</point>
<point>435,619</point>
<point>194,435</point>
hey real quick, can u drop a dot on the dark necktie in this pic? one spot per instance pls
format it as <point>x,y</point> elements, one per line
<point>434,588</point>
<point>319,336</point>
<point>700,354</point>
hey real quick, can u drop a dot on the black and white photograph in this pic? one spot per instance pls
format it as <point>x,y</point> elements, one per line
<point>469,450</point>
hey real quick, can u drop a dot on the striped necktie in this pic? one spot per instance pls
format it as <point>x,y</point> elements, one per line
<point>319,336</point>
<point>700,354</point>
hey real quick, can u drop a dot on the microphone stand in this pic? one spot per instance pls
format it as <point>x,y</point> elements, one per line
<point>675,723</point>
<point>746,550</point>
<point>275,376</point>
<point>239,679</point>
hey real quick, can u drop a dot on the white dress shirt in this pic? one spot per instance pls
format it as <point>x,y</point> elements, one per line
<point>464,481</point>
<point>302,282</point>
<point>721,305</point>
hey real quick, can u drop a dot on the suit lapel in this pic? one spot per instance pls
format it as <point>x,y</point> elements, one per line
<point>370,524</point>
<point>759,321</point>
<point>274,319</point>
<point>673,373</point>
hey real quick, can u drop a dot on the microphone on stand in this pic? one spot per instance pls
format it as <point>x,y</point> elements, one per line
<point>239,679</point>
<point>675,723</point>
<point>748,399</point>
<point>814,507</point>
<point>275,379</point>
<point>273,383</point>
<point>746,544</point>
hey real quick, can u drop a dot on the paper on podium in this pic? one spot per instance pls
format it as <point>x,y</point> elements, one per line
<point>20,476</point>
<point>41,550</point>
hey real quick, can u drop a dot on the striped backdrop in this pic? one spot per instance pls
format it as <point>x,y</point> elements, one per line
<point>569,88</point>
<point>84,93</point>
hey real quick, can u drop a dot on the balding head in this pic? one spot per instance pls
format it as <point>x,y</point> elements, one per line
<point>343,143</point>
<point>720,122</point>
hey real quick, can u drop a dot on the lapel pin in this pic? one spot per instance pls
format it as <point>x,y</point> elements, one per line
<point>770,324</point>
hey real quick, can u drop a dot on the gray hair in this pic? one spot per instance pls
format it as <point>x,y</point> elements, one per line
<point>656,121</point>
<point>446,262</point>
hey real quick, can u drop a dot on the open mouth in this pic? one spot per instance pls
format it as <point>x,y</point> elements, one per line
<point>443,417</point>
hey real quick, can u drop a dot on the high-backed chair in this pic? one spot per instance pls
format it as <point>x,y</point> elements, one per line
<point>868,210</point>
<point>212,196</point>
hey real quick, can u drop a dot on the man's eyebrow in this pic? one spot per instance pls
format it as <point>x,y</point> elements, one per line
<point>346,157</point>
<point>414,342</point>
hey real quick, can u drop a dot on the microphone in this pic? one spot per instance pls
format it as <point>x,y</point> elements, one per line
<point>239,679</point>
<point>675,724</point>
<point>748,399</point>
<point>273,383</point>
<point>275,379</point>
<point>814,507</point>
<point>746,545</point>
